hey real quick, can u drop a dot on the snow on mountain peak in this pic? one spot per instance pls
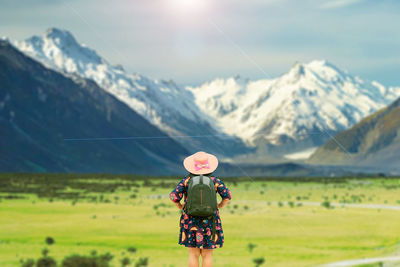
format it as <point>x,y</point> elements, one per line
<point>59,48</point>
<point>296,72</point>
<point>316,69</point>
<point>311,97</point>
<point>60,36</point>
<point>163,103</point>
<point>314,96</point>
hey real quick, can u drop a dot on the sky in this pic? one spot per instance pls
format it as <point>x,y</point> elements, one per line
<point>194,41</point>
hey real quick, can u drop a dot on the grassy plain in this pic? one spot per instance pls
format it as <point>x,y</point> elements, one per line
<point>266,218</point>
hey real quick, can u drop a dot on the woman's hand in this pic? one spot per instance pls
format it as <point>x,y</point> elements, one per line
<point>223,203</point>
<point>179,205</point>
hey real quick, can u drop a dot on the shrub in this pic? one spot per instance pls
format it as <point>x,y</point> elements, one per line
<point>49,240</point>
<point>142,262</point>
<point>251,246</point>
<point>92,261</point>
<point>258,261</point>
<point>45,251</point>
<point>46,262</point>
<point>131,249</point>
<point>125,261</point>
<point>326,204</point>
<point>27,263</point>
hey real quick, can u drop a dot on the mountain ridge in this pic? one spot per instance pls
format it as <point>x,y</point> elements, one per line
<point>374,141</point>
<point>40,108</point>
<point>295,111</point>
<point>162,103</point>
<point>294,97</point>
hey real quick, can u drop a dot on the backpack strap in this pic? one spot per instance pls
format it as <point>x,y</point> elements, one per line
<point>215,184</point>
<point>214,216</point>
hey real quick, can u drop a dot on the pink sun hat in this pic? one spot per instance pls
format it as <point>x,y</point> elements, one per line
<point>200,163</point>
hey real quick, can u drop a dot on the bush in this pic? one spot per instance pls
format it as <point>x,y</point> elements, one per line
<point>259,261</point>
<point>27,263</point>
<point>83,261</point>
<point>45,251</point>
<point>125,261</point>
<point>49,240</point>
<point>326,204</point>
<point>46,262</point>
<point>142,262</point>
<point>251,246</point>
<point>131,249</point>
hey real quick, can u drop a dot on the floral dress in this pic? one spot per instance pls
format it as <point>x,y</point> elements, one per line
<point>196,231</point>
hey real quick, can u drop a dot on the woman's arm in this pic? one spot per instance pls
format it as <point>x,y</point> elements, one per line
<point>179,205</point>
<point>223,191</point>
<point>223,203</point>
<point>177,194</point>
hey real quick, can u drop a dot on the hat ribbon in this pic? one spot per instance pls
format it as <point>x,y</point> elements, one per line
<point>201,164</point>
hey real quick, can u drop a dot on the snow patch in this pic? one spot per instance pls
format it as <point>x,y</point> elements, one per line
<point>301,155</point>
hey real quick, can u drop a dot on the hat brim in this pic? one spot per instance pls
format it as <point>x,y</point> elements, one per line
<point>188,163</point>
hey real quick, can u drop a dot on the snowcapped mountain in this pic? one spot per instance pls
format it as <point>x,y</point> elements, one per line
<point>40,108</point>
<point>294,112</point>
<point>163,103</point>
<point>290,115</point>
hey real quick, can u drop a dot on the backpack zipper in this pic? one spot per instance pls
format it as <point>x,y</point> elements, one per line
<point>201,197</point>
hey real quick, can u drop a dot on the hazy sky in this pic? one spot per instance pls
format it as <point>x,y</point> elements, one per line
<point>191,41</point>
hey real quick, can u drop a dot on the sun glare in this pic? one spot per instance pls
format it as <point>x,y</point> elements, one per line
<point>188,7</point>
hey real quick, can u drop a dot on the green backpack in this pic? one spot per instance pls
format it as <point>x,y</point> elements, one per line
<point>202,198</point>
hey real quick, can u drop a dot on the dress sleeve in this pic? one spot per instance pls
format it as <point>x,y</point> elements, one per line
<point>177,194</point>
<point>222,190</point>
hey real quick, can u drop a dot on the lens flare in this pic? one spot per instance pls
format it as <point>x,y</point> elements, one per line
<point>188,7</point>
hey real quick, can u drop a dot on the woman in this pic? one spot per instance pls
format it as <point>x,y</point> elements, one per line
<point>195,232</point>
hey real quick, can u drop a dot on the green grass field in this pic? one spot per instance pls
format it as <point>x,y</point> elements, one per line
<point>105,213</point>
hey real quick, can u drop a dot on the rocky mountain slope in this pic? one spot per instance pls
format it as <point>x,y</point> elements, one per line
<point>288,116</point>
<point>39,108</point>
<point>373,142</point>
<point>163,103</point>
<point>294,112</point>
